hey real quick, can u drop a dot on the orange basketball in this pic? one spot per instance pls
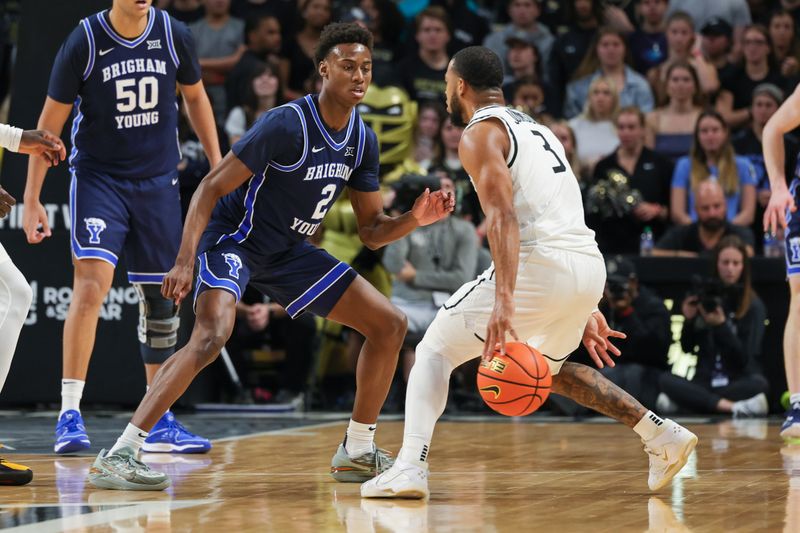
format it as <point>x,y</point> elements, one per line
<point>517,383</point>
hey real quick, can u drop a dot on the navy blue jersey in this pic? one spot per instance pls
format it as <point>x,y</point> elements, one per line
<point>124,93</point>
<point>299,166</point>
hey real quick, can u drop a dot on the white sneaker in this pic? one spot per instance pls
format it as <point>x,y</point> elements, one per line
<point>402,480</point>
<point>669,451</point>
<point>755,406</point>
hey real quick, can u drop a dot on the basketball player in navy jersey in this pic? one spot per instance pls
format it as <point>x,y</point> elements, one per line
<point>118,70</point>
<point>15,293</point>
<point>248,223</point>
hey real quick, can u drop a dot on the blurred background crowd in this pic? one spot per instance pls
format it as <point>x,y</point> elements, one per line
<point>660,106</point>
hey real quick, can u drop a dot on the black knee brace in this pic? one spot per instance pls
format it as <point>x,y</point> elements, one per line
<point>158,324</point>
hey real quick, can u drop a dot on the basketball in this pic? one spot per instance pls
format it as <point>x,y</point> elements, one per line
<point>517,383</point>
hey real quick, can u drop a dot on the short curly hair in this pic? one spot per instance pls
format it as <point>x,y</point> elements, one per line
<point>340,33</point>
<point>479,67</point>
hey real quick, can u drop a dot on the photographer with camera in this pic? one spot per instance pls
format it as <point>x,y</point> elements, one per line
<point>639,313</point>
<point>724,326</point>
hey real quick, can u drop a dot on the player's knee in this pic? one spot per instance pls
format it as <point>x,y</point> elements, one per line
<point>158,324</point>
<point>210,344</point>
<point>88,293</point>
<point>397,324</point>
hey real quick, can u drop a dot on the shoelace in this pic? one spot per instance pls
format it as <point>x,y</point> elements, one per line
<point>71,424</point>
<point>180,427</point>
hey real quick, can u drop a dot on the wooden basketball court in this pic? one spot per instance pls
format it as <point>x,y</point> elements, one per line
<point>487,475</point>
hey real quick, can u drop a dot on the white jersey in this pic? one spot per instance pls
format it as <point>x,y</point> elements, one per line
<point>547,198</point>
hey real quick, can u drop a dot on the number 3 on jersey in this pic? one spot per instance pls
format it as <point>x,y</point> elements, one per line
<point>558,168</point>
<point>322,206</point>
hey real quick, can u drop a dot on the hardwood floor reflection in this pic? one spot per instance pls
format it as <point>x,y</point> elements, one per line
<point>486,476</point>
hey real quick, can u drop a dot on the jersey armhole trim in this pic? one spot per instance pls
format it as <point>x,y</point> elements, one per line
<point>87,29</point>
<point>512,154</point>
<point>170,42</point>
<point>295,166</point>
<point>362,133</point>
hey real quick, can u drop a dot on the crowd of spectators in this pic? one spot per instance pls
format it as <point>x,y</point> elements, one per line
<point>660,106</point>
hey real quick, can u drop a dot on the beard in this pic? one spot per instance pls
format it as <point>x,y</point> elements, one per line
<point>456,112</point>
<point>713,224</point>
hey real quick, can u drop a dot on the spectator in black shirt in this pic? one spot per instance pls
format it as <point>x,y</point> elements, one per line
<point>724,326</point>
<point>648,173</point>
<point>734,100</point>
<point>263,40</point>
<point>639,313</point>
<point>283,10</point>
<point>469,28</point>
<point>785,47</point>
<point>699,238</point>
<point>385,22</point>
<point>570,48</point>
<point>716,45</point>
<point>422,73</point>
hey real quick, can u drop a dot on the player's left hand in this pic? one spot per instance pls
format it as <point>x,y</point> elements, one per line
<point>6,202</point>
<point>43,144</point>
<point>499,324</point>
<point>432,206</point>
<point>595,339</point>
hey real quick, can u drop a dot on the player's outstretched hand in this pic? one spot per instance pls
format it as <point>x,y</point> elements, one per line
<point>177,282</point>
<point>499,324</point>
<point>430,207</point>
<point>34,222</point>
<point>43,144</point>
<point>6,202</point>
<point>775,214</point>
<point>596,335</point>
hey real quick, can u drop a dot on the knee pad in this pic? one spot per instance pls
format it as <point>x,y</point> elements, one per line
<point>158,324</point>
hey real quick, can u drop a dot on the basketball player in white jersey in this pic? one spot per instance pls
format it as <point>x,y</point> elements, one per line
<point>15,293</point>
<point>543,286</point>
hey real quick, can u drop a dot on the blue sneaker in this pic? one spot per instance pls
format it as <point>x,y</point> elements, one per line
<point>169,436</point>
<point>71,433</point>
<point>790,430</point>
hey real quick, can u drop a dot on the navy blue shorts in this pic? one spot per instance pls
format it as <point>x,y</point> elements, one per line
<point>141,218</point>
<point>792,241</point>
<point>306,278</point>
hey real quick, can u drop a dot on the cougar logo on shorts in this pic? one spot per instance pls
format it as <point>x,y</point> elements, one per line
<point>794,248</point>
<point>95,227</point>
<point>234,262</point>
<point>494,389</point>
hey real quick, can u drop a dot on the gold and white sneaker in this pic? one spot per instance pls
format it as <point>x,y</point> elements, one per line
<point>668,451</point>
<point>402,480</point>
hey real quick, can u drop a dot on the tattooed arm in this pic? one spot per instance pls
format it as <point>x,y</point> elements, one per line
<point>589,388</point>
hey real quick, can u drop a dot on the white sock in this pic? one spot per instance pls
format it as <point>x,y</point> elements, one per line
<point>426,397</point>
<point>15,300</point>
<point>71,394</point>
<point>794,399</point>
<point>132,437</point>
<point>359,438</point>
<point>649,426</point>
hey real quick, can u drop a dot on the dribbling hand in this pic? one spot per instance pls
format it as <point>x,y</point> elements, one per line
<point>177,283</point>
<point>499,323</point>
<point>595,339</point>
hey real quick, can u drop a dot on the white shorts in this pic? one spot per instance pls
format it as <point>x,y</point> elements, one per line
<point>556,291</point>
<point>3,254</point>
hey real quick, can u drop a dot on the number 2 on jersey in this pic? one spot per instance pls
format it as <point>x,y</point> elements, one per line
<point>322,206</point>
<point>558,168</point>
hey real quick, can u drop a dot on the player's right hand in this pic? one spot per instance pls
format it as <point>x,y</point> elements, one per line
<point>34,222</point>
<point>775,214</point>
<point>6,203</point>
<point>43,144</point>
<point>499,323</point>
<point>177,282</point>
